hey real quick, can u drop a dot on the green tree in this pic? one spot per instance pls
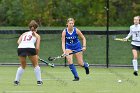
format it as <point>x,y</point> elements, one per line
<point>11,12</point>
<point>34,9</point>
<point>56,12</point>
<point>121,12</point>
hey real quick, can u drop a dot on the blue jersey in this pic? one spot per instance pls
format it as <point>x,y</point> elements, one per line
<point>72,41</point>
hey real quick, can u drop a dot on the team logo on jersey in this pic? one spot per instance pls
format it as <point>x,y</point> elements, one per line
<point>71,37</point>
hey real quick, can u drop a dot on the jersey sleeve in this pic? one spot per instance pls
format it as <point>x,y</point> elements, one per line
<point>130,33</point>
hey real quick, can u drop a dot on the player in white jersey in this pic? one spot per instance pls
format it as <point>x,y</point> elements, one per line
<point>135,33</point>
<point>29,45</point>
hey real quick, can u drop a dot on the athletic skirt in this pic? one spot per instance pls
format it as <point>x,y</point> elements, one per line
<point>136,47</point>
<point>26,51</point>
<point>74,47</point>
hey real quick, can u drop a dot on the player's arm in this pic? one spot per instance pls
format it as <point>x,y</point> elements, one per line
<point>63,40</point>
<point>82,37</point>
<point>37,43</point>
<point>20,38</point>
<point>128,36</point>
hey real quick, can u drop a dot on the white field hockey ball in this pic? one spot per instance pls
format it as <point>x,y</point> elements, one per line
<point>119,81</point>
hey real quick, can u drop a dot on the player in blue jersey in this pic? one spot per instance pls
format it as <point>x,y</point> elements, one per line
<point>70,43</point>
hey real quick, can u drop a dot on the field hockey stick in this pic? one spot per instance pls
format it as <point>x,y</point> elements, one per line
<point>63,55</point>
<point>121,39</point>
<point>49,64</point>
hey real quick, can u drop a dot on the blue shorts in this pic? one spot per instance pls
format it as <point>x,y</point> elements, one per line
<point>74,47</point>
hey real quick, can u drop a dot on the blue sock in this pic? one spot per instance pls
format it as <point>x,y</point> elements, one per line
<point>73,70</point>
<point>85,64</point>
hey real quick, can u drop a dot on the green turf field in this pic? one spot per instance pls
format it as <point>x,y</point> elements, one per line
<point>59,80</point>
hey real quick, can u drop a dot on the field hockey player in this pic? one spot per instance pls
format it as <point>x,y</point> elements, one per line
<point>135,33</point>
<point>70,43</point>
<point>27,48</point>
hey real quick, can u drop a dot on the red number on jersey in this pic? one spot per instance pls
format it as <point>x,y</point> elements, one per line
<point>27,38</point>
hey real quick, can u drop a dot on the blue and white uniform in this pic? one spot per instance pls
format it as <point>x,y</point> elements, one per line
<point>72,41</point>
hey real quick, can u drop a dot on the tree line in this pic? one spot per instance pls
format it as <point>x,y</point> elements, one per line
<point>56,12</point>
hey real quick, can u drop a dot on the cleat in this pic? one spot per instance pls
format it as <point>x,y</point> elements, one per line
<point>39,83</point>
<point>76,79</point>
<point>87,69</point>
<point>16,83</point>
<point>135,73</point>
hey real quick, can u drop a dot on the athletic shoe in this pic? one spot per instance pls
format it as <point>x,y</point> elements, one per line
<point>87,69</point>
<point>16,83</point>
<point>76,79</point>
<point>135,73</point>
<point>39,83</point>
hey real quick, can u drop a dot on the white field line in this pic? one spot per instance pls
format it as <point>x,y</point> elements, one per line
<point>56,79</point>
<point>103,91</point>
<point>24,92</point>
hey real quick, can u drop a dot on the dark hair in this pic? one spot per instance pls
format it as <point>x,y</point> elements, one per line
<point>33,25</point>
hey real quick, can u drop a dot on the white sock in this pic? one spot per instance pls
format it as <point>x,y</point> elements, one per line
<point>135,64</point>
<point>37,73</point>
<point>19,73</point>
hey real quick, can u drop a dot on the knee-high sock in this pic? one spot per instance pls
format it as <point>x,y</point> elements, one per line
<point>135,64</point>
<point>37,73</point>
<point>73,70</point>
<point>19,73</point>
<point>86,65</point>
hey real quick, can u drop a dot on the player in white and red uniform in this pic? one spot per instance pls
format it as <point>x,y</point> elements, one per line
<point>29,45</point>
<point>135,33</point>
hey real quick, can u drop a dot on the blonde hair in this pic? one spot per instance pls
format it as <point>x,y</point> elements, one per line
<point>33,25</point>
<point>137,17</point>
<point>70,19</point>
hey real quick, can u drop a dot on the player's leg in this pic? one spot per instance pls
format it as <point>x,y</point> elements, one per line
<point>79,57</point>
<point>71,65</point>
<point>20,70</point>
<point>134,61</point>
<point>34,60</point>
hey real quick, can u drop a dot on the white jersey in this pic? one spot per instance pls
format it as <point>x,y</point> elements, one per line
<point>28,40</point>
<point>135,33</point>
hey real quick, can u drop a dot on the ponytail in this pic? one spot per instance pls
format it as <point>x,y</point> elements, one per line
<point>33,25</point>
